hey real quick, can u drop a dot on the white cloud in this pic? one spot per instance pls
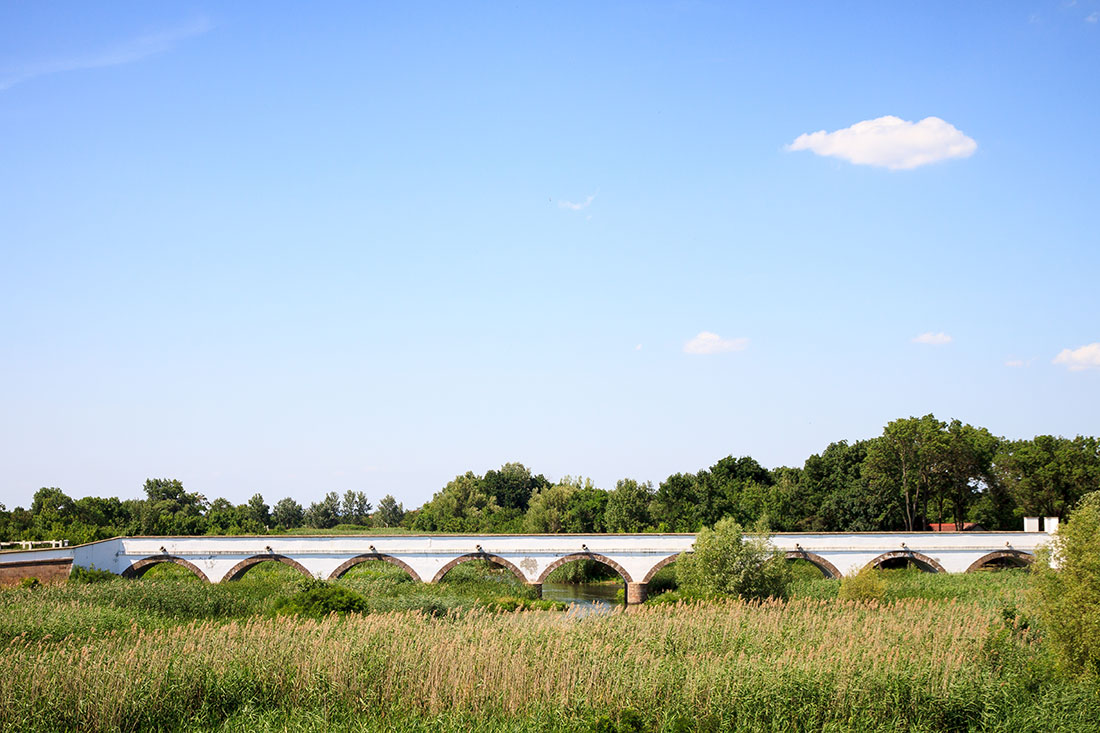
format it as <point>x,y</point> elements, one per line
<point>577,207</point>
<point>1093,17</point>
<point>638,347</point>
<point>934,339</point>
<point>711,343</point>
<point>890,142</point>
<point>1016,363</point>
<point>1085,357</point>
<point>126,53</point>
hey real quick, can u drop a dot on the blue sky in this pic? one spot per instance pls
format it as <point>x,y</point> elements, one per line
<point>291,250</point>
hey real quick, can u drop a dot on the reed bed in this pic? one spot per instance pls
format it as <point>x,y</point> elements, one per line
<point>804,665</point>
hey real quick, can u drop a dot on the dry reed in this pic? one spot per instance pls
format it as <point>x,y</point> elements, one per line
<point>816,662</point>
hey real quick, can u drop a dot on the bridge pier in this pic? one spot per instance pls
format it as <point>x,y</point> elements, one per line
<point>635,593</point>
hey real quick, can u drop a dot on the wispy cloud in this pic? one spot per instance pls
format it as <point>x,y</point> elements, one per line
<point>711,343</point>
<point>125,53</point>
<point>1085,357</point>
<point>890,142</point>
<point>1018,363</point>
<point>577,207</point>
<point>932,339</point>
<point>1093,17</point>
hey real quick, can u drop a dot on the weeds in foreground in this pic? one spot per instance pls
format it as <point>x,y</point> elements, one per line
<point>799,665</point>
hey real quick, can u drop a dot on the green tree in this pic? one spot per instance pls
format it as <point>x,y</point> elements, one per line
<point>1065,589</point>
<point>1047,475</point>
<point>222,517</point>
<point>463,505</point>
<point>586,510</point>
<point>678,503</point>
<point>628,506</point>
<point>20,522</point>
<point>52,503</point>
<point>53,512</point>
<point>109,515</point>
<point>733,488</point>
<point>724,561</point>
<point>389,513</point>
<point>355,508</point>
<point>287,513</point>
<point>170,509</point>
<point>258,511</point>
<point>837,497</point>
<point>967,468</point>
<point>512,486</point>
<point>548,509</point>
<point>324,514</point>
<point>906,461</point>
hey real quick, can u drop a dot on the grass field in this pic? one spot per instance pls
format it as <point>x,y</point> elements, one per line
<point>171,654</point>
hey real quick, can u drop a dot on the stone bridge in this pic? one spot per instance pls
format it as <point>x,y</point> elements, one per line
<point>427,558</point>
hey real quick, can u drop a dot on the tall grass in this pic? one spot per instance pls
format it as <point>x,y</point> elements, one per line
<point>803,665</point>
<point>991,590</point>
<point>169,595</point>
<point>172,654</point>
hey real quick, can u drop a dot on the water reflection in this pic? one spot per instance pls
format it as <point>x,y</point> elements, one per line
<point>585,597</point>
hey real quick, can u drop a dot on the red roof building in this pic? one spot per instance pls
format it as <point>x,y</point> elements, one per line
<point>950,527</point>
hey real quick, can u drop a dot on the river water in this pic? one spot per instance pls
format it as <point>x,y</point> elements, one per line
<point>585,597</point>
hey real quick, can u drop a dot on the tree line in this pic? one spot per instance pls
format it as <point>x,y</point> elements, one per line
<point>920,470</point>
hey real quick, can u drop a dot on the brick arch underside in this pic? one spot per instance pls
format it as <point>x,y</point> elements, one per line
<point>140,567</point>
<point>660,565</point>
<point>349,564</point>
<point>586,556</point>
<point>827,568</point>
<point>243,566</point>
<point>921,560</point>
<point>494,559</point>
<point>1022,559</point>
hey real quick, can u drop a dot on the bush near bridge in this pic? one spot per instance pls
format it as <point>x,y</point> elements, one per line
<point>1066,598</point>
<point>727,562</point>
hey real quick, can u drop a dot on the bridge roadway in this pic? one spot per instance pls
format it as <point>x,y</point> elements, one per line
<point>427,558</point>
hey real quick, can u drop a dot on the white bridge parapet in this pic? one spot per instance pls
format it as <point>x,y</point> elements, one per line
<point>636,557</point>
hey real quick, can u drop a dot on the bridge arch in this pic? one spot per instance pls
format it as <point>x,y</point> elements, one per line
<point>1010,558</point>
<point>352,562</point>
<point>827,568</point>
<point>495,559</point>
<point>922,561</point>
<point>661,564</point>
<point>604,559</point>
<point>140,567</point>
<point>243,566</point>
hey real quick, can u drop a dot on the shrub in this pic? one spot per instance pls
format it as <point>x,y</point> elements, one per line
<point>90,575</point>
<point>29,583</point>
<point>316,599</point>
<point>1065,592</point>
<point>866,585</point>
<point>724,561</point>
